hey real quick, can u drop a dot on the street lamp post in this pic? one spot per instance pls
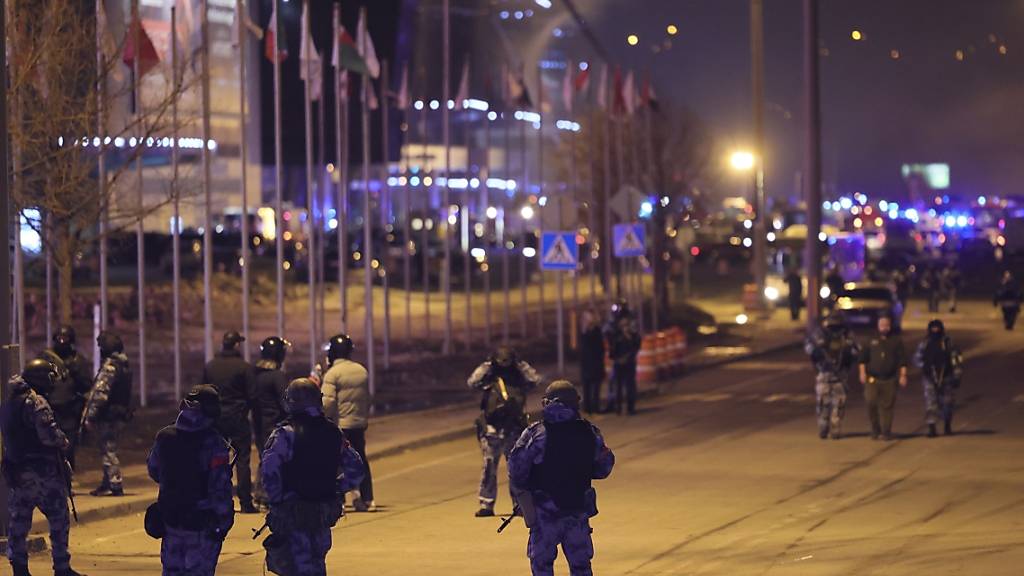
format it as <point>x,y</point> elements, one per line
<point>757,86</point>
<point>812,159</point>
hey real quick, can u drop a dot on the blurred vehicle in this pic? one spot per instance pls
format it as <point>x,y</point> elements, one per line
<point>862,303</point>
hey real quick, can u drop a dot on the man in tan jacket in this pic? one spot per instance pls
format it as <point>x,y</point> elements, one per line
<point>347,404</point>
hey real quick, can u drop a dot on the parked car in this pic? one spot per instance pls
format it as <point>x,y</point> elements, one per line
<point>862,303</point>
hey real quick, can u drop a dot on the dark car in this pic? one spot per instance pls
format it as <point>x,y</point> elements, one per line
<point>861,304</point>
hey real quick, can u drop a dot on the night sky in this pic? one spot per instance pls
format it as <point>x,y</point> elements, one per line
<point>878,112</point>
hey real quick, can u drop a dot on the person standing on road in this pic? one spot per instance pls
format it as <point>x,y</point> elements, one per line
<point>941,367</point>
<point>833,351</point>
<point>233,378</point>
<point>504,380</point>
<point>591,360</point>
<point>347,404</point>
<point>901,281</point>
<point>190,462</point>
<point>951,281</point>
<point>307,468</point>
<point>931,284</point>
<point>269,384</point>
<point>796,293</point>
<point>1008,297</point>
<point>550,470</point>
<point>73,384</point>
<point>108,409</point>
<point>34,467</point>
<point>623,347</point>
<point>883,366</point>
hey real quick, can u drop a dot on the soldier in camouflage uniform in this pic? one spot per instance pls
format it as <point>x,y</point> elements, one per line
<point>308,465</point>
<point>550,470</point>
<point>833,352</point>
<point>34,467</point>
<point>190,461</point>
<point>941,365</point>
<point>504,381</point>
<point>108,408</point>
<point>68,397</point>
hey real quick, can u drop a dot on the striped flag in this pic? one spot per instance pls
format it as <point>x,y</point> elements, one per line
<point>268,39</point>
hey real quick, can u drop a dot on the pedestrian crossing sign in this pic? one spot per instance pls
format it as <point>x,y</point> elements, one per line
<point>628,240</point>
<point>559,251</point>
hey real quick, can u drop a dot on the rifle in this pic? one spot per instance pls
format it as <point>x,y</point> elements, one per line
<point>85,411</point>
<point>506,521</point>
<point>63,468</point>
<point>256,532</point>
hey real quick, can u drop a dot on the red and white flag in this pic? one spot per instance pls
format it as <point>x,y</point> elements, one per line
<point>365,45</point>
<point>582,81</point>
<point>629,94</point>
<point>270,39</point>
<point>146,51</point>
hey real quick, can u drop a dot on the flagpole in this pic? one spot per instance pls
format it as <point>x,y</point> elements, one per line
<point>524,278</point>
<point>101,179</point>
<point>446,138</point>
<point>207,200</point>
<point>424,238</point>
<point>278,175</point>
<point>341,150</point>
<point>407,202</point>
<point>367,225</point>
<point>48,255</point>
<point>609,237</point>
<point>139,231</point>
<point>507,173</point>
<point>242,37</point>
<point>621,164</point>
<point>637,274</point>
<point>591,219</point>
<point>385,207</point>
<point>307,103</point>
<point>464,220</point>
<point>574,183</point>
<point>485,174</point>
<point>655,229</point>
<point>540,194</point>
<point>176,195</point>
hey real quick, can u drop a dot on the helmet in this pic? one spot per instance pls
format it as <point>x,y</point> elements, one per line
<point>339,346</point>
<point>620,308</point>
<point>274,348</point>
<point>40,375</point>
<point>562,392</point>
<point>936,328</point>
<point>205,398</point>
<point>505,357</point>
<point>231,339</point>
<point>64,341</point>
<point>109,343</point>
<point>302,393</point>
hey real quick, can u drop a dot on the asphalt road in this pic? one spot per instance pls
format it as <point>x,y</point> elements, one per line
<point>726,475</point>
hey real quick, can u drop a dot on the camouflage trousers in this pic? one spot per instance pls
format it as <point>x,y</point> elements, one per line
<point>298,552</point>
<point>189,553</point>
<point>43,488</point>
<point>831,404</point>
<point>494,445</point>
<point>572,532</point>
<point>938,401</point>
<point>108,435</point>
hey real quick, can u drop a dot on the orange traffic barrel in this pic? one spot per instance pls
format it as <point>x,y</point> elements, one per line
<point>664,356</point>
<point>646,361</point>
<point>677,349</point>
<point>751,298</point>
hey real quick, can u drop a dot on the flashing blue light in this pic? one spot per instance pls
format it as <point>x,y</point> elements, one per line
<point>932,212</point>
<point>911,214</point>
<point>826,205</point>
<point>846,203</point>
<point>883,206</point>
<point>961,221</point>
<point>893,214</point>
<point>646,209</point>
<point>950,221</point>
<point>945,199</point>
<point>836,206</point>
<point>894,206</point>
<point>981,200</point>
<point>414,181</point>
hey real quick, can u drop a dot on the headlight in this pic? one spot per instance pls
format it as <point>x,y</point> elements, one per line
<point>771,293</point>
<point>824,292</point>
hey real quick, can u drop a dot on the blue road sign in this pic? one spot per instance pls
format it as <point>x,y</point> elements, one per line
<point>559,251</point>
<point>628,240</point>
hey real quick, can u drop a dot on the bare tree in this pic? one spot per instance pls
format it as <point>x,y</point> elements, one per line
<point>56,108</point>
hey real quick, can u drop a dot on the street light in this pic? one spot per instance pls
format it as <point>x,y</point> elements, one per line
<point>672,29</point>
<point>742,161</point>
<point>632,40</point>
<point>526,212</point>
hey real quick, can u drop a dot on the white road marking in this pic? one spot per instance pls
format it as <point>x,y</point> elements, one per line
<point>119,535</point>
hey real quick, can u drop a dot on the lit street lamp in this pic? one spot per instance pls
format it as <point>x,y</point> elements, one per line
<point>741,160</point>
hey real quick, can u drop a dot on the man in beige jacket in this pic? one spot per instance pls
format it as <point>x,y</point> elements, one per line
<point>347,404</point>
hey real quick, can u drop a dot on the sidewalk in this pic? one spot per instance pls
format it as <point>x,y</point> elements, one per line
<point>393,434</point>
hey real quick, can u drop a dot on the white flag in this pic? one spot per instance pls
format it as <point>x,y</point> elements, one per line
<point>629,94</point>
<point>602,88</point>
<point>310,61</point>
<point>365,45</point>
<point>463,93</point>
<point>567,92</point>
<point>403,100</point>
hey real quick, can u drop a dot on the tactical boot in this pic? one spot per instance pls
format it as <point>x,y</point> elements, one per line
<point>247,508</point>
<point>485,513</point>
<point>20,570</point>
<point>116,490</point>
<point>931,431</point>
<point>101,490</point>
